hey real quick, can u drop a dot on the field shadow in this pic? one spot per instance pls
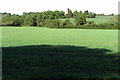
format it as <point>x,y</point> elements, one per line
<point>58,62</point>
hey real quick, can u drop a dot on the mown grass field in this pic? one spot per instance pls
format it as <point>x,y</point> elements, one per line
<point>97,20</point>
<point>43,53</point>
<point>17,36</point>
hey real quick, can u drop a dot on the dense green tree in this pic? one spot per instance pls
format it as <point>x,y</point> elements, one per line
<point>30,20</point>
<point>39,19</point>
<point>6,21</point>
<point>56,23</point>
<point>80,19</point>
<point>75,13</point>
<point>89,14</point>
<point>67,21</point>
<point>115,20</point>
<point>14,20</point>
<point>47,23</point>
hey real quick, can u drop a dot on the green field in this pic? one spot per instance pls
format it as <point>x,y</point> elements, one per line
<point>32,53</point>
<point>17,36</point>
<point>97,20</point>
<point>100,19</point>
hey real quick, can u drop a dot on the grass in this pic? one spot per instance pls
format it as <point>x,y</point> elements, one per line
<point>44,62</point>
<point>31,53</point>
<point>93,38</point>
<point>100,19</point>
<point>97,20</point>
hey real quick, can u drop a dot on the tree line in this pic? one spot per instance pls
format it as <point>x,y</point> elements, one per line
<point>52,19</point>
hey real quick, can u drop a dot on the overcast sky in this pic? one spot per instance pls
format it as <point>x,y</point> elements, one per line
<point>97,6</point>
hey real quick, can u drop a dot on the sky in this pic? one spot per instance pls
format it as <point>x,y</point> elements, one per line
<point>96,6</point>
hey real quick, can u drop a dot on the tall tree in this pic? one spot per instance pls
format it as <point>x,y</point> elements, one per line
<point>70,14</point>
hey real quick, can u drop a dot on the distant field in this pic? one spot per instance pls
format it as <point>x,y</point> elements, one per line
<point>100,19</point>
<point>97,20</point>
<point>32,53</point>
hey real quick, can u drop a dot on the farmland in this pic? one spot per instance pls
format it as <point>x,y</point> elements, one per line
<point>44,53</point>
<point>97,20</point>
<point>100,19</point>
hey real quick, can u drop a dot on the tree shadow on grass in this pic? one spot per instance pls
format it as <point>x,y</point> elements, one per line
<point>58,62</point>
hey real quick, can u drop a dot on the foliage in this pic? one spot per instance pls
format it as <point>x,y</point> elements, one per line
<point>80,19</point>
<point>91,15</point>
<point>86,13</point>
<point>51,23</point>
<point>100,14</point>
<point>5,14</point>
<point>70,14</point>
<point>30,20</point>
<point>14,20</point>
<point>115,20</point>
<point>57,19</point>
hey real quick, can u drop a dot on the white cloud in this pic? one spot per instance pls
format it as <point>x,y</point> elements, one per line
<point>97,6</point>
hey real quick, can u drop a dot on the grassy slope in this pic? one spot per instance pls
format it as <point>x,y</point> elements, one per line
<point>30,62</point>
<point>78,37</point>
